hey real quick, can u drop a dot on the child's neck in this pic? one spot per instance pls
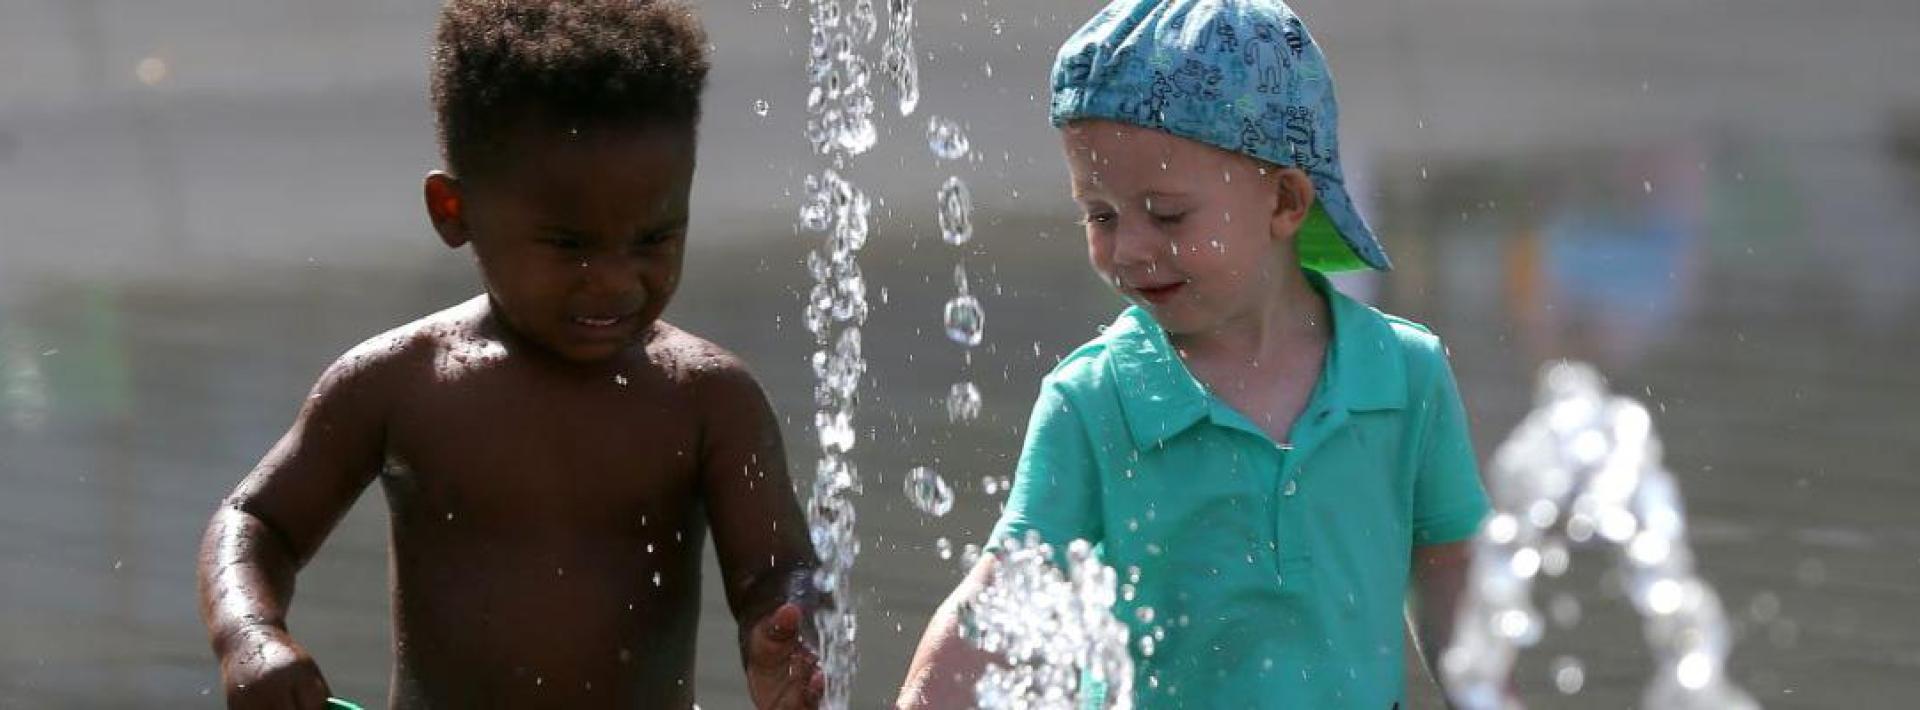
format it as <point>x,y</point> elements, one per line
<point>1266,364</point>
<point>1293,322</point>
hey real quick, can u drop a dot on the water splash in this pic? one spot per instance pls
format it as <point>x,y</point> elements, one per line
<point>929,492</point>
<point>956,211</point>
<point>946,139</point>
<point>896,56</point>
<point>1585,467</point>
<point>963,402</point>
<point>1056,643</point>
<point>963,318</point>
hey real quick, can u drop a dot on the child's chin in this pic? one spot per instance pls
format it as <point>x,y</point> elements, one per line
<point>1170,317</point>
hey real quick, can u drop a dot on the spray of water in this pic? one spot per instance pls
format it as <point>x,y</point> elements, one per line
<point>1055,640</point>
<point>1584,468</point>
<point>840,126</point>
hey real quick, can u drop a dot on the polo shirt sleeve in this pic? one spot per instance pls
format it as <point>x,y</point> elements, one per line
<point>1056,487</point>
<point>1448,499</point>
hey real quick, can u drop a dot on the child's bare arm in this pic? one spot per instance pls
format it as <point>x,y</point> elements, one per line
<point>272,524</point>
<point>946,666</point>
<point>760,537</point>
<point>1439,576</point>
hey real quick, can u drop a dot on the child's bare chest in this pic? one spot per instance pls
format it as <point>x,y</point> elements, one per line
<point>529,454</point>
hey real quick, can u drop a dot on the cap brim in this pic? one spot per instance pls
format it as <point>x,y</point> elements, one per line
<point>1335,238</point>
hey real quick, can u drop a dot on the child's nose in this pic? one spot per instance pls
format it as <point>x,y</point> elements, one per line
<point>1136,246</point>
<point>611,273</point>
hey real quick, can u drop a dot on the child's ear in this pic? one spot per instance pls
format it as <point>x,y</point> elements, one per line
<point>446,209</point>
<point>1295,194</point>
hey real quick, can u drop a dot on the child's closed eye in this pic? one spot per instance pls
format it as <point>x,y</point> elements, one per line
<point>1093,218</point>
<point>564,243</point>
<point>654,239</point>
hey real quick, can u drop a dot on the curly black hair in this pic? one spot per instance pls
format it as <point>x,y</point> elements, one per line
<point>564,63</point>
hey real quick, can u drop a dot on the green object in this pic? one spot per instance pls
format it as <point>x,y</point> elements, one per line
<point>342,704</point>
<point>1269,575</point>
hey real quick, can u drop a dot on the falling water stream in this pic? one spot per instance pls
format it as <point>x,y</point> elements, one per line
<point>1584,469</point>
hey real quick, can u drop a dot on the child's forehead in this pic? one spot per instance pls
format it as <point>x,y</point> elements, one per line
<point>548,148</point>
<point>1109,151</point>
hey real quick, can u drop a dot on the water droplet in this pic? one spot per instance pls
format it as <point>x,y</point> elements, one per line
<point>1525,562</point>
<point>1502,528</point>
<point>835,430</point>
<point>1664,597</point>
<point>944,548</point>
<point>963,402</point>
<point>1517,625</point>
<point>965,320</point>
<point>1695,670</point>
<point>620,380</point>
<point>1568,674</point>
<point>946,139</point>
<point>929,492</point>
<point>956,212</point>
<point>656,579</point>
<point>761,108</point>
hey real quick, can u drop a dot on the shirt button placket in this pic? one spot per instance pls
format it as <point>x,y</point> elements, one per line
<point>1284,453</point>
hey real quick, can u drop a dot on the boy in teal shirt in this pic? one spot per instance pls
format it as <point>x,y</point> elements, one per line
<point>1266,462</point>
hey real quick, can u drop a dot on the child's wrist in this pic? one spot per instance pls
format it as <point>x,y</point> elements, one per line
<point>249,631</point>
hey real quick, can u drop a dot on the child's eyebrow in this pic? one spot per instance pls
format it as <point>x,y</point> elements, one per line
<point>665,225</point>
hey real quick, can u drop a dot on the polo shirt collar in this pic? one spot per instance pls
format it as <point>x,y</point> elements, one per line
<point>1160,397</point>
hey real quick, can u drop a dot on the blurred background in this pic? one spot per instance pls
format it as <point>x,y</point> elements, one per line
<point>203,203</point>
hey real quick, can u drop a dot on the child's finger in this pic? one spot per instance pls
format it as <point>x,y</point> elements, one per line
<point>775,636</point>
<point>784,622</point>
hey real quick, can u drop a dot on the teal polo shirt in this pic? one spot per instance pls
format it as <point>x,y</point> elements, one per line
<point>1267,574</point>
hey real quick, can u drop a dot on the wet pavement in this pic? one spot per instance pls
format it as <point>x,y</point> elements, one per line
<point>1713,201</point>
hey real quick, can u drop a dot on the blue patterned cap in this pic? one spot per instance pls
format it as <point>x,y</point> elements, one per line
<point>1242,75</point>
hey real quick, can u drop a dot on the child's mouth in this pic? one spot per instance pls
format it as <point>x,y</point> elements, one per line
<point>602,326</point>
<point>590,322</point>
<point>1160,293</point>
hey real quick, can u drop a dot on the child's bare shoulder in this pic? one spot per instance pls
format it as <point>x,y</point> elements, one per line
<point>416,347</point>
<point>710,374</point>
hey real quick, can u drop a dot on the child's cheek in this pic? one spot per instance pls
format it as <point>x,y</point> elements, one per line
<point>1100,254</point>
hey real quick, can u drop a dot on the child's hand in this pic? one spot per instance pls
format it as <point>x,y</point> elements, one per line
<point>781,671</point>
<point>266,669</point>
